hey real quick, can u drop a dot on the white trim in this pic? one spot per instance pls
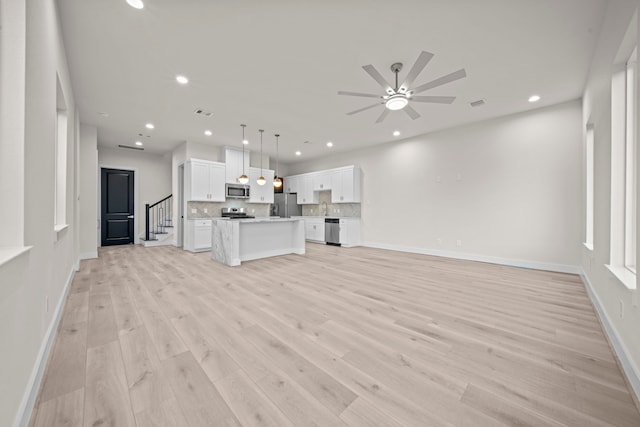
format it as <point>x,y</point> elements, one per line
<point>628,366</point>
<point>589,246</point>
<point>560,268</point>
<point>623,275</point>
<point>88,255</point>
<point>27,404</point>
<point>9,253</point>
<point>136,201</point>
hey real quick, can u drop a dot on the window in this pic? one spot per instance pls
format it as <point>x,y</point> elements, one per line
<point>60,163</point>
<point>624,106</point>
<point>589,147</point>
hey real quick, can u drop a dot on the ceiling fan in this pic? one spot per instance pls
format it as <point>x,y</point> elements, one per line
<point>398,97</point>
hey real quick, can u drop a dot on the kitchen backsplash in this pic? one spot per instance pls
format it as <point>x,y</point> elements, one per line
<point>332,209</point>
<point>214,209</point>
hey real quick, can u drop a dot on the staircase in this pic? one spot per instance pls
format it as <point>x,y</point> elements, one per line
<point>159,223</point>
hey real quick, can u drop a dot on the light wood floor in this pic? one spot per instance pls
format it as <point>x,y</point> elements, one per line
<point>347,337</point>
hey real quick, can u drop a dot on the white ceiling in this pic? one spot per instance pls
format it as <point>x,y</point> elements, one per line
<point>278,64</point>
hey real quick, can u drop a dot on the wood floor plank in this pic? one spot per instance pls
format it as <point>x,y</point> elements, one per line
<point>66,368</point>
<point>62,411</point>
<point>356,337</point>
<point>107,395</point>
<point>248,402</point>
<point>148,387</point>
<point>200,401</point>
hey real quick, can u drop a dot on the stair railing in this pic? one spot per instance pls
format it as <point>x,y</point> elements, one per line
<point>158,217</point>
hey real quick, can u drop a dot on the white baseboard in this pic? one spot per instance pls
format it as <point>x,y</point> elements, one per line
<point>560,268</point>
<point>33,386</point>
<point>88,255</point>
<point>629,367</point>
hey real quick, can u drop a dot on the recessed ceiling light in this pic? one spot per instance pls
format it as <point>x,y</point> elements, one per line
<point>329,144</point>
<point>103,114</point>
<point>182,80</point>
<point>534,98</point>
<point>135,4</point>
<point>245,142</point>
<point>149,126</point>
<point>208,132</point>
<point>138,143</point>
<point>396,133</point>
<point>298,153</point>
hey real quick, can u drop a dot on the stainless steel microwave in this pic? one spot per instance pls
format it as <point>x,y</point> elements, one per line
<point>237,191</point>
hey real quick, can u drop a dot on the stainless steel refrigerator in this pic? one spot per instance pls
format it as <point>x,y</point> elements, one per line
<point>285,205</point>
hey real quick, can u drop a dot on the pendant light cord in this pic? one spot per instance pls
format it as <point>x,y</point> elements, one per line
<point>277,153</point>
<point>243,126</point>
<point>261,132</point>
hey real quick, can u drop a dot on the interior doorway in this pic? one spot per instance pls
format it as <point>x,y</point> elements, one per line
<point>180,199</point>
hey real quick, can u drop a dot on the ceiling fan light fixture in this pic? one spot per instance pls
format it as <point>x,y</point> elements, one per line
<point>396,102</point>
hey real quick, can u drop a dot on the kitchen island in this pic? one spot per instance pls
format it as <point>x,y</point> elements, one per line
<point>237,240</point>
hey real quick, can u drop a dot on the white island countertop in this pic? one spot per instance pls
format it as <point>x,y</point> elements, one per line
<point>237,240</point>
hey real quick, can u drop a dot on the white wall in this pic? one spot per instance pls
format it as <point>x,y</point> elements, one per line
<point>44,272</point>
<point>518,197</point>
<point>610,293</point>
<point>88,170</point>
<point>152,178</point>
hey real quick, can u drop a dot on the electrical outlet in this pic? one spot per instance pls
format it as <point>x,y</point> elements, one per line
<point>621,309</point>
<point>253,211</point>
<point>458,243</point>
<point>338,210</point>
<point>194,211</point>
<point>439,240</point>
<point>206,210</point>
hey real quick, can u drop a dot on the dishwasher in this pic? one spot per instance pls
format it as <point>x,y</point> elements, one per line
<point>332,231</point>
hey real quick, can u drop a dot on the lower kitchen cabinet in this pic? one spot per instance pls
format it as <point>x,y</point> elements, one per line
<point>314,229</point>
<point>349,232</point>
<point>198,235</point>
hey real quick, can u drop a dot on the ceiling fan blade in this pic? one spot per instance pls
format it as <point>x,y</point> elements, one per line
<point>417,68</point>
<point>363,109</point>
<point>378,77</point>
<point>383,116</point>
<point>411,112</point>
<point>367,95</point>
<point>434,99</point>
<point>456,75</point>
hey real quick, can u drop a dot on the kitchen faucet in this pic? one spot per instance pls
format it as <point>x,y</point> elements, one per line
<point>324,205</point>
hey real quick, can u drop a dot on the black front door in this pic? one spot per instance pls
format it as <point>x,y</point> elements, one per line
<point>117,207</point>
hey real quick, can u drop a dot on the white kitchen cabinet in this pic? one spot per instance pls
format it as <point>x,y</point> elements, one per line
<point>198,235</point>
<point>306,195</point>
<point>349,232</point>
<point>205,181</point>
<point>322,181</point>
<point>314,229</point>
<point>261,193</point>
<point>233,159</point>
<point>345,185</point>
<point>291,184</point>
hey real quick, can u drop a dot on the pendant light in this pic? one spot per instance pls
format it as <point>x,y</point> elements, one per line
<point>261,180</point>
<point>277,181</point>
<point>243,179</point>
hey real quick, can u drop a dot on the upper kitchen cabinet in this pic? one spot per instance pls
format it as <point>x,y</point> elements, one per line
<point>205,181</point>
<point>291,184</point>
<point>306,195</point>
<point>345,185</point>
<point>322,180</point>
<point>234,159</point>
<point>260,193</point>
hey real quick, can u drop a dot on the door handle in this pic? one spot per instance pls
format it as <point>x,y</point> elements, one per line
<point>130,217</point>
